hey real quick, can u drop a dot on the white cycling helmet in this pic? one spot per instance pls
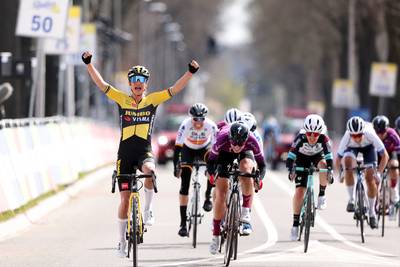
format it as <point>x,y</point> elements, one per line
<point>314,123</point>
<point>355,125</point>
<point>232,115</point>
<point>249,120</point>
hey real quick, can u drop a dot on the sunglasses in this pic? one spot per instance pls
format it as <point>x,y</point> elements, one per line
<point>312,134</point>
<point>356,135</point>
<point>199,118</point>
<point>138,78</point>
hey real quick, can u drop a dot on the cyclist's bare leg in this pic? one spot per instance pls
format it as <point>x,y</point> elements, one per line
<point>394,179</point>
<point>298,199</point>
<point>124,205</point>
<point>349,163</point>
<point>323,176</point>
<point>148,168</point>
<point>371,183</point>
<point>221,188</point>
<point>247,185</point>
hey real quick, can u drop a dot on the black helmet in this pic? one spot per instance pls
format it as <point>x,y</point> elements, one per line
<point>381,123</point>
<point>239,132</point>
<point>138,70</point>
<point>397,123</point>
<point>198,110</point>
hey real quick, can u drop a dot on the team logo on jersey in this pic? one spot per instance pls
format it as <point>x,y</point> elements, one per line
<point>127,118</point>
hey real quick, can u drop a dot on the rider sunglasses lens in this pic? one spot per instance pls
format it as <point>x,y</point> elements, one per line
<point>137,78</point>
<point>198,118</point>
<point>356,135</point>
<point>312,134</point>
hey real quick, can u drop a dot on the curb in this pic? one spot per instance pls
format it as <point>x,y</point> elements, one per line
<point>24,221</point>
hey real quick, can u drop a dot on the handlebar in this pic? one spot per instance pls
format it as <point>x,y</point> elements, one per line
<point>133,176</point>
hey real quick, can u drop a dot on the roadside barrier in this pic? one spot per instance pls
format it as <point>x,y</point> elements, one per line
<point>37,155</point>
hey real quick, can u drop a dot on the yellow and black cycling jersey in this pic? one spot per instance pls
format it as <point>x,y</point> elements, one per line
<point>136,119</point>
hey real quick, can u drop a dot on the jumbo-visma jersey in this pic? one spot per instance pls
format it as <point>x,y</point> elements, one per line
<point>136,119</point>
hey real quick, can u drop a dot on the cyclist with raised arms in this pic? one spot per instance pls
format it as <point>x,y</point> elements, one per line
<point>137,112</point>
<point>311,145</point>
<point>391,141</point>
<point>234,142</point>
<point>360,137</point>
<point>195,136</point>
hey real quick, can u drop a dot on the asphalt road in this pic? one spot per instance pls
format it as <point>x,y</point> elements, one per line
<point>84,233</point>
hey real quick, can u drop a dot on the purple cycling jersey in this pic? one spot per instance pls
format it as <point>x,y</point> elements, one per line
<point>391,141</point>
<point>224,144</point>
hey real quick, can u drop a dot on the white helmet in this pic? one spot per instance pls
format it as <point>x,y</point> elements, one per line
<point>314,123</point>
<point>355,125</point>
<point>232,115</point>
<point>249,120</point>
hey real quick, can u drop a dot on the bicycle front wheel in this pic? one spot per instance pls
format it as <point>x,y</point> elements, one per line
<point>133,235</point>
<point>307,219</point>
<point>232,228</point>
<point>195,211</point>
<point>360,209</point>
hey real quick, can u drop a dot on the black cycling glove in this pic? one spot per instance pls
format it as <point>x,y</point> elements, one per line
<point>192,69</point>
<point>87,59</point>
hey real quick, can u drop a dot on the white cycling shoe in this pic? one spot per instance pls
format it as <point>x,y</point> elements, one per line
<point>121,250</point>
<point>214,246</point>
<point>294,233</point>
<point>148,217</point>
<point>321,203</point>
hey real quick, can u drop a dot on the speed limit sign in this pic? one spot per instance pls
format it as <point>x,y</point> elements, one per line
<point>38,18</point>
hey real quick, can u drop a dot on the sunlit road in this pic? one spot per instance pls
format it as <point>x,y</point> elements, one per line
<point>84,233</point>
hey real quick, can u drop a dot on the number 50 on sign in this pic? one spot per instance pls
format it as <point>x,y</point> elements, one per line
<point>42,18</point>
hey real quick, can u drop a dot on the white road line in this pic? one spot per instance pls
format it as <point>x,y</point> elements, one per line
<point>268,225</point>
<point>323,224</point>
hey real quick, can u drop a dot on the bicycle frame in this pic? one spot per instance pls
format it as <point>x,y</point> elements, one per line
<point>307,213</point>
<point>135,218</point>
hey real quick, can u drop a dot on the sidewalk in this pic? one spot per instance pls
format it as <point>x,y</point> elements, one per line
<point>22,222</point>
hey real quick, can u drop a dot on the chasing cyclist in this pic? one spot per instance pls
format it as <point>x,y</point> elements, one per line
<point>311,145</point>
<point>234,142</point>
<point>137,112</point>
<point>360,137</point>
<point>391,141</point>
<point>195,136</point>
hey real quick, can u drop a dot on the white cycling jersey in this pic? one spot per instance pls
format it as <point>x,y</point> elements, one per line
<point>369,137</point>
<point>260,142</point>
<point>196,138</point>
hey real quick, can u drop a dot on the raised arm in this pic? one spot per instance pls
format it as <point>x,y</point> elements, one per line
<point>182,81</point>
<point>94,74</point>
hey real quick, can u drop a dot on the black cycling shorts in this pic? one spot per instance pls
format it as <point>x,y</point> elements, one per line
<point>305,161</point>
<point>126,166</point>
<point>225,160</point>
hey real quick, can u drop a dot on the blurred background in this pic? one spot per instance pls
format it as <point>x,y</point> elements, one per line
<point>279,59</point>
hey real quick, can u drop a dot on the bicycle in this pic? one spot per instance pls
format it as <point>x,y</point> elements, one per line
<point>384,204</point>
<point>361,204</point>
<point>307,213</point>
<point>135,226</point>
<point>194,216</point>
<point>232,224</point>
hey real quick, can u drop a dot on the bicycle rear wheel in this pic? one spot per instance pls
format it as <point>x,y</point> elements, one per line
<point>308,217</point>
<point>231,229</point>
<point>360,209</point>
<point>195,211</point>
